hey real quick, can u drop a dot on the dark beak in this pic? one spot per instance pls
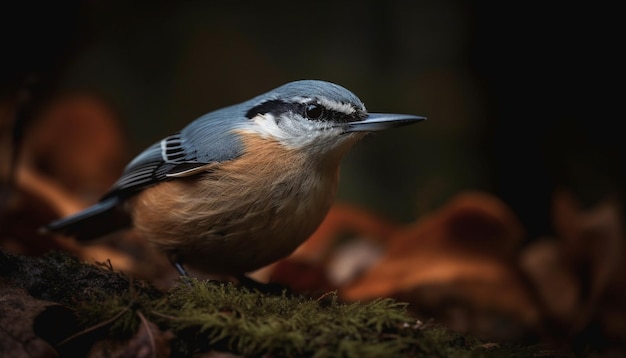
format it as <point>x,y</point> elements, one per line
<point>381,121</point>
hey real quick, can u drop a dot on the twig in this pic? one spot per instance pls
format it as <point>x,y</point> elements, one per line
<point>145,323</point>
<point>97,326</point>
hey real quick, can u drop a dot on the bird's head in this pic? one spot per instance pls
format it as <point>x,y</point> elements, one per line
<point>316,116</point>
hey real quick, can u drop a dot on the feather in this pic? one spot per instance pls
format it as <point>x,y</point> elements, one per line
<point>104,217</point>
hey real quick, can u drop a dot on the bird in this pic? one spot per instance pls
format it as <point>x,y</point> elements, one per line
<point>240,187</point>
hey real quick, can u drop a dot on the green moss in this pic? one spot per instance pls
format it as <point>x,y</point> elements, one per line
<point>207,316</point>
<point>251,323</point>
<point>215,316</point>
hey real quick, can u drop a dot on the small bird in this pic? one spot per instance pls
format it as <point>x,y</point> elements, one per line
<point>240,187</point>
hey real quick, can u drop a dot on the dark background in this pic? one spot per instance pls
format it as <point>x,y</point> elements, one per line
<point>521,99</point>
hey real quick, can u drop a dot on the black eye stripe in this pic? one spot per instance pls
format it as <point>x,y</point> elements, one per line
<point>277,107</point>
<point>274,106</point>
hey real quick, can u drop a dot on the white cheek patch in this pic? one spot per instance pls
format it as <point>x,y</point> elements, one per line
<point>265,124</point>
<point>295,133</point>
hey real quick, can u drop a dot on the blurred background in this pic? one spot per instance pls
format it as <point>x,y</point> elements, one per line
<point>521,103</point>
<point>517,97</point>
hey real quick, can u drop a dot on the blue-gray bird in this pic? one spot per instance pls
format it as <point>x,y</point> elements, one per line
<point>240,187</point>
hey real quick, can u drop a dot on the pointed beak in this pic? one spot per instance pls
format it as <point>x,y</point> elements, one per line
<point>381,121</point>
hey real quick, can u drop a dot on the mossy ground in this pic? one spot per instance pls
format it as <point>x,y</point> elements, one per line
<point>209,316</point>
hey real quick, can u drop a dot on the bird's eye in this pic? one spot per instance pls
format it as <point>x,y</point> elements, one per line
<point>314,111</point>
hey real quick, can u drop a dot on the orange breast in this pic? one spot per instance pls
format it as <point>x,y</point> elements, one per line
<point>245,213</point>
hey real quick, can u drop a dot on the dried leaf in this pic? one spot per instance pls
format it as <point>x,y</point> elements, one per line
<point>556,284</point>
<point>71,153</point>
<point>592,239</point>
<point>471,221</point>
<point>466,252</point>
<point>315,264</point>
<point>18,311</point>
<point>344,219</point>
<point>591,243</point>
<point>149,341</point>
<point>76,141</point>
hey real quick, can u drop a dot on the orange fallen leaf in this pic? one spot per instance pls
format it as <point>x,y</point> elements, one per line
<point>467,250</point>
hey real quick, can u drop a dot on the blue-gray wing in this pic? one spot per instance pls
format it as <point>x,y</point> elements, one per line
<point>199,147</point>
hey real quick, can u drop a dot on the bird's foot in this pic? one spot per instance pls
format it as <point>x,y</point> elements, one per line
<point>266,288</point>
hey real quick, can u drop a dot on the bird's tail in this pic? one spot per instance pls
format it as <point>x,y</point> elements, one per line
<point>98,220</point>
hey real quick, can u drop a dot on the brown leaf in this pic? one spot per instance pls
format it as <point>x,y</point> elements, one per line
<point>77,142</point>
<point>72,151</point>
<point>149,341</point>
<point>465,252</point>
<point>460,240</point>
<point>556,284</point>
<point>18,311</point>
<point>311,267</point>
<point>471,221</point>
<point>345,219</point>
<point>579,276</point>
<point>593,240</point>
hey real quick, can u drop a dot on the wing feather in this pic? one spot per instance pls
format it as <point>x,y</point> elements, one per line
<point>200,146</point>
<point>162,161</point>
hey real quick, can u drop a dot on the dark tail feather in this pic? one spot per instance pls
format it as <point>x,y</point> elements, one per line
<point>98,220</point>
